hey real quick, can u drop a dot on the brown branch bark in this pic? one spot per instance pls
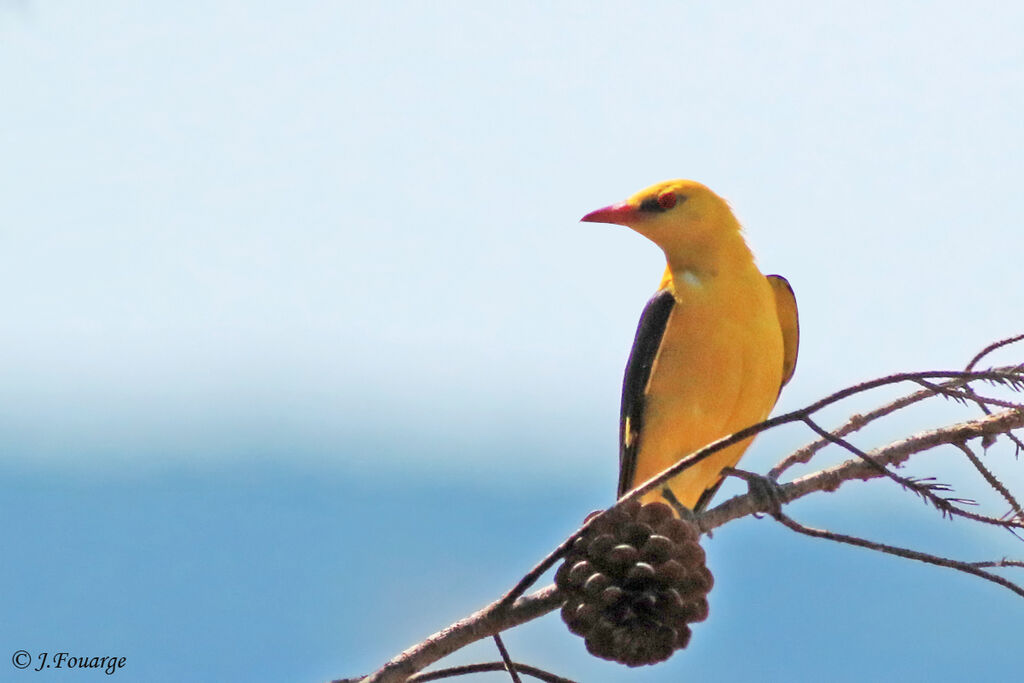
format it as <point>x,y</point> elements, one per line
<point>452,672</point>
<point>510,666</point>
<point>482,624</point>
<point>860,420</point>
<point>895,453</point>
<point>514,608</point>
<point>996,485</point>
<point>496,617</point>
<point>966,567</point>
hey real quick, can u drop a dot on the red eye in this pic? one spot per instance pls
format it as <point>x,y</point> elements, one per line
<point>667,200</point>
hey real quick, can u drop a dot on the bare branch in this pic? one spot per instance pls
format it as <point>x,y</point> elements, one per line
<point>539,674</point>
<point>992,480</point>
<point>468,669</point>
<point>854,423</point>
<point>895,453</point>
<point>965,394</point>
<point>495,618</point>
<point>486,622</point>
<point>974,361</point>
<point>966,567</point>
<point>992,347</point>
<point>859,421</point>
<point>925,488</point>
<point>509,666</point>
<point>999,563</point>
<point>1013,377</point>
<point>514,608</point>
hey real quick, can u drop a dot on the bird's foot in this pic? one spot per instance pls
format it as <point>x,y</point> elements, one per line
<point>684,513</point>
<point>766,493</point>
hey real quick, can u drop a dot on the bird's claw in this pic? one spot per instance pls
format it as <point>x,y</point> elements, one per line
<point>766,493</point>
<point>684,513</point>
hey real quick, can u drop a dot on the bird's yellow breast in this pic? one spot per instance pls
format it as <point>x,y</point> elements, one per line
<point>718,369</point>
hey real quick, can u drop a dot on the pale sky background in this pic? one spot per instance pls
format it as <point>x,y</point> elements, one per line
<point>287,286</point>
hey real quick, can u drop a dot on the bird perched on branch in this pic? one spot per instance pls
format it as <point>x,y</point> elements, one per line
<point>714,346</point>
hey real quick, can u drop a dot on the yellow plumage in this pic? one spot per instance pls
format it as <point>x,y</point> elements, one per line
<point>715,344</point>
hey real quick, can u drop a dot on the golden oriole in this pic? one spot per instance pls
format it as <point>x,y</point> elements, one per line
<point>714,346</point>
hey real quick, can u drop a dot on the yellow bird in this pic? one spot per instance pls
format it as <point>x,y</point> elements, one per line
<point>714,346</point>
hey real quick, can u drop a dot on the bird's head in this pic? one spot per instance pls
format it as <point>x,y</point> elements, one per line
<point>674,214</point>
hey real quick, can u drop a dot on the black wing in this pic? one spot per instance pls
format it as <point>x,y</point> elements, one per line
<point>649,332</point>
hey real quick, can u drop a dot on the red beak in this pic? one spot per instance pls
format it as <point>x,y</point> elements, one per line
<point>620,214</point>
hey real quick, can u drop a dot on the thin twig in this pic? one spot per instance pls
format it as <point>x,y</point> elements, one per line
<point>966,393</point>
<point>547,563</point>
<point>991,479</point>
<point>1014,378</point>
<point>512,609</point>
<point>486,622</point>
<point>896,453</point>
<point>967,567</point>
<point>451,672</point>
<point>975,360</point>
<point>858,421</point>
<point>970,390</point>
<point>468,669</point>
<point>926,491</point>
<point>992,347</point>
<point>509,666</point>
<point>999,563</point>
<point>657,481</point>
<point>853,423</point>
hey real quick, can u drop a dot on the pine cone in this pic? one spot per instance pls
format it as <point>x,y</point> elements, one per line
<point>633,582</point>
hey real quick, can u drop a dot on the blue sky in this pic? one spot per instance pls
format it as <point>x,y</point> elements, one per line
<point>289,287</point>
